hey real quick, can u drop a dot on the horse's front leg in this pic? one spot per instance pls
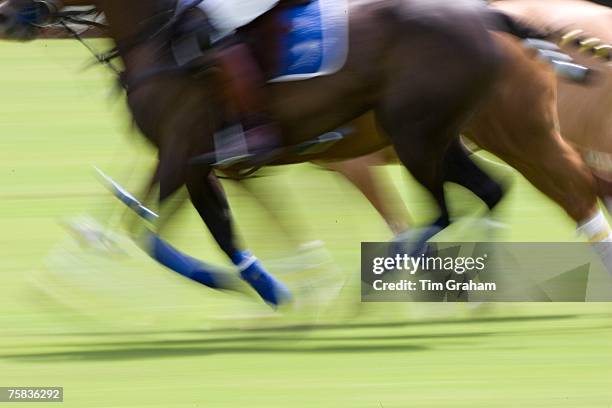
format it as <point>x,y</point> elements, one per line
<point>147,196</point>
<point>209,199</point>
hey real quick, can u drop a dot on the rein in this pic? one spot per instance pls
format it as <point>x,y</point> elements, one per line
<point>132,81</point>
<point>104,59</point>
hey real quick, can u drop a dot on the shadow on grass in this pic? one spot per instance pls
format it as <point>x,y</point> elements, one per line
<point>141,353</point>
<point>265,340</point>
<point>331,326</point>
<point>236,345</point>
<point>394,324</point>
<point>276,339</point>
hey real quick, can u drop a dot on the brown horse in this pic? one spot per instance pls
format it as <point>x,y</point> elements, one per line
<point>424,67</point>
<point>357,172</point>
<point>584,112</point>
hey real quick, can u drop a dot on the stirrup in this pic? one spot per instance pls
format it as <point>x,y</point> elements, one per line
<point>230,146</point>
<point>230,153</point>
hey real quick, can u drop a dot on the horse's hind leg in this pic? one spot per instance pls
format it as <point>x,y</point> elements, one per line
<point>421,148</point>
<point>553,167</point>
<point>460,169</point>
<point>529,141</point>
<point>556,169</point>
<point>382,195</point>
<point>424,160</point>
<point>426,102</point>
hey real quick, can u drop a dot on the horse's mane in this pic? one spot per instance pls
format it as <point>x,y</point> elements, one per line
<point>558,17</point>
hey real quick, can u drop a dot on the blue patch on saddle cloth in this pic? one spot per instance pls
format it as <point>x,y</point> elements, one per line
<point>317,43</point>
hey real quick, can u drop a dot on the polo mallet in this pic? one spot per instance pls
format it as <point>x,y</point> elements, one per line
<point>273,292</point>
<point>127,198</point>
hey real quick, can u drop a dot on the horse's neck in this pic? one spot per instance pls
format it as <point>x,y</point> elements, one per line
<point>129,19</point>
<point>126,18</point>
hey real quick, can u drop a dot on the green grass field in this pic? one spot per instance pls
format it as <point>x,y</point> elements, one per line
<point>119,331</point>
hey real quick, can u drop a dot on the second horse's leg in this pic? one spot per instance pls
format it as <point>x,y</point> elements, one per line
<point>380,193</point>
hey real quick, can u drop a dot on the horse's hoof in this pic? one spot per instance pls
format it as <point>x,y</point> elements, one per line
<point>271,290</point>
<point>89,234</point>
<point>414,242</point>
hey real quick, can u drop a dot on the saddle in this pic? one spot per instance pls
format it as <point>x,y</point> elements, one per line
<point>196,42</point>
<point>285,43</point>
<point>296,39</point>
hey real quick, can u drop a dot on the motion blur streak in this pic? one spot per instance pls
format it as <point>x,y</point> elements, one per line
<point>119,331</point>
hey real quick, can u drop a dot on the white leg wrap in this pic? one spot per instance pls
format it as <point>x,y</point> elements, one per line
<point>242,266</point>
<point>596,229</point>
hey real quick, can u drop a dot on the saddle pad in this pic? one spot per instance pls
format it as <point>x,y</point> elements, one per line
<point>317,43</point>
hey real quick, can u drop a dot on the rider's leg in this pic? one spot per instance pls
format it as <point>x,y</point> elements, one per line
<point>245,94</point>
